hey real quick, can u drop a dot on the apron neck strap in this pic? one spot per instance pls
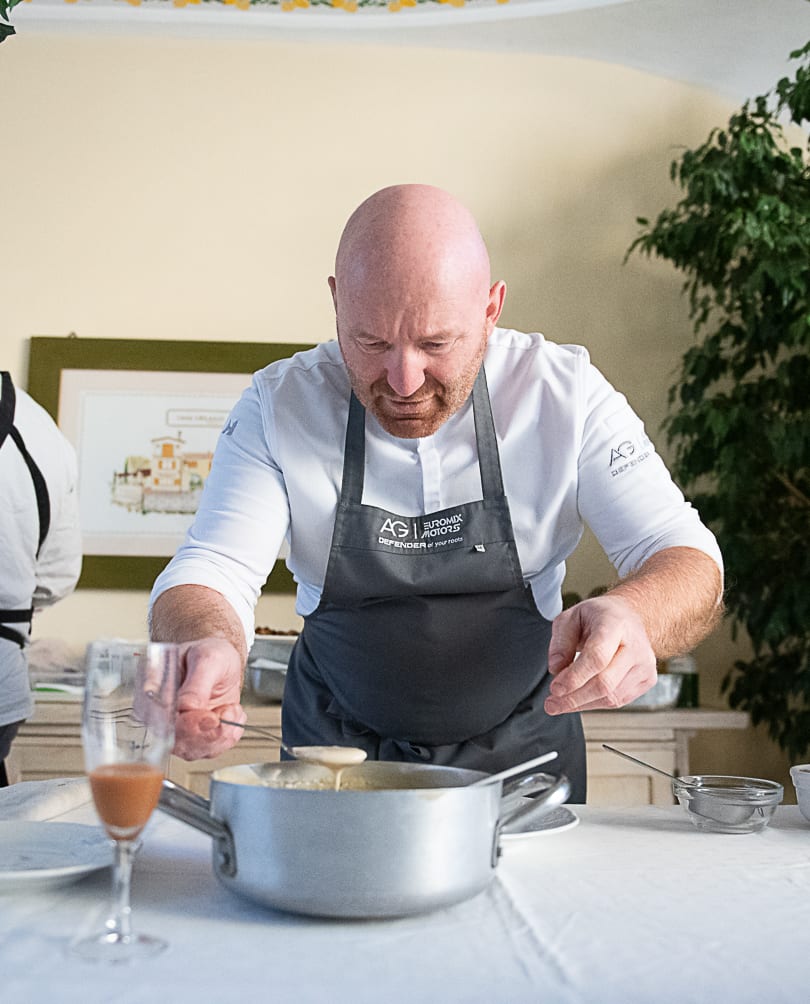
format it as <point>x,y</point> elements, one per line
<point>7,406</point>
<point>489,464</point>
<point>489,461</point>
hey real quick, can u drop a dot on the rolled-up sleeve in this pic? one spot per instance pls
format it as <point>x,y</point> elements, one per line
<point>242,519</point>
<point>59,563</point>
<point>626,494</point>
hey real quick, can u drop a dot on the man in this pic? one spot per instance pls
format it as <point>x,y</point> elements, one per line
<point>40,540</point>
<point>429,503</point>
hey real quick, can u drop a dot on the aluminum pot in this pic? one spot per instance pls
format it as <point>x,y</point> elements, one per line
<point>413,838</point>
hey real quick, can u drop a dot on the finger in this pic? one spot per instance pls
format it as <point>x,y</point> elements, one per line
<point>156,677</point>
<point>157,668</point>
<point>199,734</point>
<point>213,677</point>
<point>598,642</point>
<point>565,635</point>
<point>596,656</point>
<point>595,687</point>
<point>621,682</point>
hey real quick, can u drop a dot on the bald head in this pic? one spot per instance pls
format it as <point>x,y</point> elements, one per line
<point>414,306</point>
<point>414,230</point>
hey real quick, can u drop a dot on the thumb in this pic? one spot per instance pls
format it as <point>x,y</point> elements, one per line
<point>565,633</point>
<point>196,691</point>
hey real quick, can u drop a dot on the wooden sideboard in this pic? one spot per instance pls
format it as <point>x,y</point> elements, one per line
<point>49,745</point>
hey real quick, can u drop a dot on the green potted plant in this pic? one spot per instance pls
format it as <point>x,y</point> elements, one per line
<point>739,416</point>
<point>6,28</point>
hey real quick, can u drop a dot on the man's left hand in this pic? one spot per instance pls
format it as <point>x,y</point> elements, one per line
<point>599,655</point>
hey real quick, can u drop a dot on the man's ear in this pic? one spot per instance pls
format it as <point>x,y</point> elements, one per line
<point>497,295</point>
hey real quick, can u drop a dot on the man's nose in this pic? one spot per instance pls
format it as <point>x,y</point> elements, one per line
<point>405,372</point>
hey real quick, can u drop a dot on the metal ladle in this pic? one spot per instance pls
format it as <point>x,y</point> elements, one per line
<point>720,805</point>
<point>334,757</point>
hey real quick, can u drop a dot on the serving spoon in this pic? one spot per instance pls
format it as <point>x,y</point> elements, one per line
<point>511,771</point>
<point>334,757</point>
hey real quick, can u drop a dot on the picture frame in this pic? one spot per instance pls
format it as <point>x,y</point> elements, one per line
<point>130,385</point>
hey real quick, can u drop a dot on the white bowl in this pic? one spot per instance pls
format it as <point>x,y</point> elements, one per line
<point>800,775</point>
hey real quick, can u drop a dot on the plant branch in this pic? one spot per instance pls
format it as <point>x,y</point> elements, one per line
<point>792,489</point>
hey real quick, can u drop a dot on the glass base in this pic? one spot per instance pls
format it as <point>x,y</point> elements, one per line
<point>111,947</point>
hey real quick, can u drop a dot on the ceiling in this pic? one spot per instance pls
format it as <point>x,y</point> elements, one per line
<point>737,48</point>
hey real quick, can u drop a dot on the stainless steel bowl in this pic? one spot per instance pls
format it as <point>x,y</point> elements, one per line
<point>267,666</point>
<point>719,803</point>
<point>663,694</point>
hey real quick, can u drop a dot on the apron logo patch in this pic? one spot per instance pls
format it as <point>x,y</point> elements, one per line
<point>422,533</point>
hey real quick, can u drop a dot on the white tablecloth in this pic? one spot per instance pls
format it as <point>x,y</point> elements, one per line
<point>633,905</point>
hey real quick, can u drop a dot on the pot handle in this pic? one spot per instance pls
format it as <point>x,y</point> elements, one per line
<point>195,810</point>
<point>515,806</point>
<point>514,793</point>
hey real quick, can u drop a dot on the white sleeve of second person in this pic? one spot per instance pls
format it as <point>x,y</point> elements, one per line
<point>242,519</point>
<point>60,559</point>
<point>626,494</point>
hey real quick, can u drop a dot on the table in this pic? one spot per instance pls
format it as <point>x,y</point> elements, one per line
<point>49,745</point>
<point>632,905</point>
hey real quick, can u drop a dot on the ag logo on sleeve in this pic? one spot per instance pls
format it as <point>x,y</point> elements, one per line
<point>628,454</point>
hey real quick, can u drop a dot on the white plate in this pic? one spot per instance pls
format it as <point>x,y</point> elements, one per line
<point>554,822</point>
<point>34,854</point>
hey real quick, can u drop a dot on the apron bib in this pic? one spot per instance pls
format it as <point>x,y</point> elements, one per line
<point>427,646</point>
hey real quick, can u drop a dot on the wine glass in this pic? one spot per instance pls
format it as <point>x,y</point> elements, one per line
<point>130,703</point>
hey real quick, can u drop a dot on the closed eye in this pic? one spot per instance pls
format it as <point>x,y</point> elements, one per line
<point>372,344</point>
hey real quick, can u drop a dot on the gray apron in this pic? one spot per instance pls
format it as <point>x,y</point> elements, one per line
<point>427,646</point>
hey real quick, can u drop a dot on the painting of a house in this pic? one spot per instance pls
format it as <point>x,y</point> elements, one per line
<point>169,481</point>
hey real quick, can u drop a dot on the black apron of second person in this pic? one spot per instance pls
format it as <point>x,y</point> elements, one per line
<point>427,646</point>
<point>8,402</point>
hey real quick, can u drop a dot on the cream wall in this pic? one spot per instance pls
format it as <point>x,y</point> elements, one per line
<point>195,189</point>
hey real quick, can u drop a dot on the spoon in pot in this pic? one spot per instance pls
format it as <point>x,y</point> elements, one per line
<point>334,757</point>
<point>511,771</point>
<point>641,763</point>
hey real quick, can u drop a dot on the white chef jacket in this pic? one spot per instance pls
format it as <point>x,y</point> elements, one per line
<point>572,452</point>
<point>24,576</point>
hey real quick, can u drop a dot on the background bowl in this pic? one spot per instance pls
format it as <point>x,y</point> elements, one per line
<point>663,694</point>
<point>267,666</point>
<point>720,803</point>
<point>800,775</point>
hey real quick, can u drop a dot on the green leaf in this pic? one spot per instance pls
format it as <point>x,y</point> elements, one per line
<point>739,411</point>
<point>5,7</point>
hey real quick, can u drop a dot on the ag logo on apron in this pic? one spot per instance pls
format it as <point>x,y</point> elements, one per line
<point>423,533</point>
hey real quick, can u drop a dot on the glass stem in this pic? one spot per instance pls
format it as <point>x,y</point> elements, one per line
<point>119,923</point>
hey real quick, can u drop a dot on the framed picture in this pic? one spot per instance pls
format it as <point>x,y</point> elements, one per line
<point>144,417</point>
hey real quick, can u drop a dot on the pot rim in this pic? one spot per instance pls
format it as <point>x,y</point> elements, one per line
<point>453,778</point>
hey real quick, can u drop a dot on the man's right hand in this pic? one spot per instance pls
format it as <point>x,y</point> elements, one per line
<point>211,689</point>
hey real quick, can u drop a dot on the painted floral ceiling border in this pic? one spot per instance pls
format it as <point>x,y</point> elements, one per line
<point>350,6</point>
<point>479,9</point>
<point>250,18</point>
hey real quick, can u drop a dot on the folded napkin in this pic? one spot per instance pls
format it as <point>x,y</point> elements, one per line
<point>38,800</point>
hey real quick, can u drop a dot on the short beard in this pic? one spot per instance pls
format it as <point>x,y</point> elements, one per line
<point>447,398</point>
